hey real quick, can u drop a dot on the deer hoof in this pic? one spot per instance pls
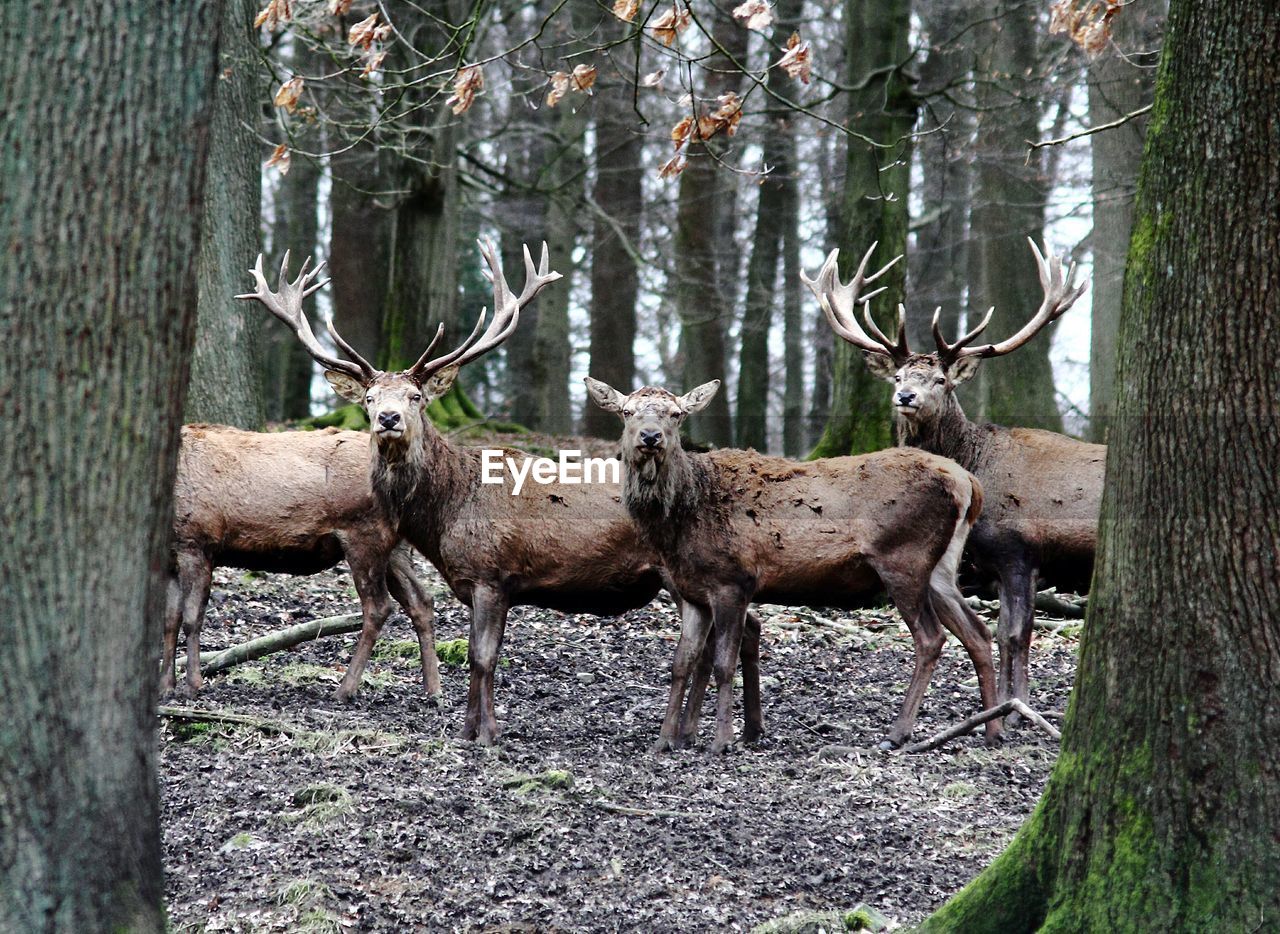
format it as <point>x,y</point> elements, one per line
<point>664,744</point>
<point>752,734</point>
<point>888,745</point>
<point>344,693</point>
<point>436,700</point>
<point>721,746</point>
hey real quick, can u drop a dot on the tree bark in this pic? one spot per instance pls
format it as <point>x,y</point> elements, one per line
<point>615,238</point>
<point>793,346</point>
<point>874,208</point>
<point>1163,810</point>
<point>1121,81</point>
<point>1008,207</point>
<point>225,384</point>
<point>359,250</point>
<point>102,152</point>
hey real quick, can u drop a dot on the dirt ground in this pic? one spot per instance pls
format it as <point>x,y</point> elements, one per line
<point>372,816</point>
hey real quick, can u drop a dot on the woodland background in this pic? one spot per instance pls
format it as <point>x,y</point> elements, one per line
<point>684,164</point>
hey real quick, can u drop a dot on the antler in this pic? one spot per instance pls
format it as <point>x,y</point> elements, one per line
<point>1060,293</point>
<point>506,312</point>
<point>838,300</point>
<point>286,304</point>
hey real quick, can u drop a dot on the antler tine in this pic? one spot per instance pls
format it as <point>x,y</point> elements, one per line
<point>1060,293</point>
<point>286,304</point>
<point>837,301</point>
<point>897,349</point>
<point>506,311</point>
<point>949,353</point>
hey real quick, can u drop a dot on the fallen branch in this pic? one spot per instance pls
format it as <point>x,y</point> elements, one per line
<point>192,715</point>
<point>968,726</point>
<point>641,812</point>
<point>1046,601</point>
<point>278,641</point>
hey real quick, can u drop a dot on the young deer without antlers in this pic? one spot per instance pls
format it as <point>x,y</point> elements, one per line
<point>736,526</point>
<point>564,547</point>
<point>1043,490</point>
<point>288,502</point>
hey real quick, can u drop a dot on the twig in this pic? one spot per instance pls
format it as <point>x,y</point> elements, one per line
<point>1033,145</point>
<point>640,812</point>
<point>191,714</point>
<point>967,726</point>
<point>277,642</point>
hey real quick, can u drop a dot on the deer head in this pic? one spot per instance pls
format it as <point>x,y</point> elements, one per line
<point>397,402</point>
<point>651,420</point>
<point>924,383</point>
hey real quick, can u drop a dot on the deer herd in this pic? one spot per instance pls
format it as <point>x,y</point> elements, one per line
<point>719,530</point>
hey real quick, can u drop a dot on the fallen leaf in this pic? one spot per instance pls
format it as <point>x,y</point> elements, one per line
<point>280,159</point>
<point>795,61</point>
<point>671,23</point>
<point>290,91</point>
<point>468,83</point>
<point>584,76</point>
<point>626,10</point>
<point>756,14</point>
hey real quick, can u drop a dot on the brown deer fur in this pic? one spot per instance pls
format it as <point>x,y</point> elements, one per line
<point>287,502</point>
<point>736,526</point>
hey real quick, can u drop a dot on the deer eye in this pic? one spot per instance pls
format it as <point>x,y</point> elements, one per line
<point>940,380</point>
<point>368,400</point>
<point>897,378</point>
<point>416,397</point>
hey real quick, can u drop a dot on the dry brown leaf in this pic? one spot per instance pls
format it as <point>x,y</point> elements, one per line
<point>626,10</point>
<point>584,76</point>
<point>290,91</point>
<point>671,23</point>
<point>795,61</point>
<point>729,112</point>
<point>280,159</point>
<point>653,79</point>
<point>467,84</point>
<point>1088,26</point>
<point>673,167</point>
<point>559,87</point>
<point>273,14</point>
<point>755,14</point>
<point>680,132</point>
<point>339,7</point>
<point>361,34</point>
<point>372,61</point>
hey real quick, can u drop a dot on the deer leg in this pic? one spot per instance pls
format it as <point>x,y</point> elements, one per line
<point>728,616</point>
<point>928,639</point>
<point>488,622</point>
<point>421,607</point>
<point>694,624</point>
<point>697,694</point>
<point>753,715</point>
<point>172,621</point>
<point>950,609</point>
<point>195,574</point>
<point>375,605</point>
<point>1017,614</point>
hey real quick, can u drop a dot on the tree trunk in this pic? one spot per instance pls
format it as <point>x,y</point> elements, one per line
<point>793,352</point>
<point>1008,207</point>
<point>874,208</point>
<point>225,384</point>
<point>286,366</point>
<point>102,153</point>
<point>1121,81</point>
<point>615,238</point>
<point>359,250</point>
<point>1163,810</point>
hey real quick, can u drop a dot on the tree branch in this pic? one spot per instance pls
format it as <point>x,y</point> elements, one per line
<point>967,726</point>
<point>1121,121</point>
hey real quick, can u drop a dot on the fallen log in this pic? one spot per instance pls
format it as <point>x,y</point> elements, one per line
<point>969,725</point>
<point>211,662</point>
<point>192,715</point>
<point>1047,601</point>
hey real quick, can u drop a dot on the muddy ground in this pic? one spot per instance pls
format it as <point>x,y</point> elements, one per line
<point>372,816</point>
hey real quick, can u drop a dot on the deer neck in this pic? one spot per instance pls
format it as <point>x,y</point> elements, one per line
<point>662,498</point>
<point>951,435</point>
<point>419,484</point>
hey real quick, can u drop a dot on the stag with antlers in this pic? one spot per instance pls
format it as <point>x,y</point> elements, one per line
<point>565,547</point>
<point>1043,490</point>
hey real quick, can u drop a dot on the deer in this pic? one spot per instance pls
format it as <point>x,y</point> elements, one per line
<point>565,547</point>
<point>735,526</point>
<point>1044,490</point>
<point>284,502</point>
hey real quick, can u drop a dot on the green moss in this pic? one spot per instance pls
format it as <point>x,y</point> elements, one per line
<point>350,417</point>
<point>247,674</point>
<point>320,804</point>
<point>240,840</point>
<point>805,921</point>
<point>452,652</point>
<point>551,779</point>
<point>389,650</point>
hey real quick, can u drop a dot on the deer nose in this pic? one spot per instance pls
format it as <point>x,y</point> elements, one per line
<point>388,419</point>
<point>906,397</point>
<point>650,438</point>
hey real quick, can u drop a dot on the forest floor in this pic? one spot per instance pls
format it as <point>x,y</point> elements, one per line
<point>372,816</point>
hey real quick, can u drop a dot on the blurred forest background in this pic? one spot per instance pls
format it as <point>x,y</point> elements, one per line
<point>683,162</point>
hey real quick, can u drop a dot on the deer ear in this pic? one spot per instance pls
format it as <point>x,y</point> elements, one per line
<point>439,383</point>
<point>696,399</point>
<point>346,386</point>
<point>882,366</point>
<point>963,369</point>
<point>604,395</point>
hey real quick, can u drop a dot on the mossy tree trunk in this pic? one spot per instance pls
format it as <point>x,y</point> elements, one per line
<point>1163,811</point>
<point>1121,80</point>
<point>225,382</point>
<point>1008,206</point>
<point>102,152</point>
<point>882,108</point>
